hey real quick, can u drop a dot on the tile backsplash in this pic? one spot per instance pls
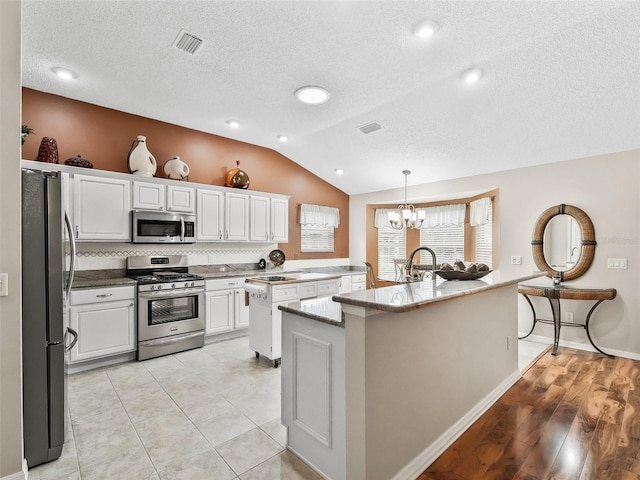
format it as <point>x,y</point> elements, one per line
<point>99,256</point>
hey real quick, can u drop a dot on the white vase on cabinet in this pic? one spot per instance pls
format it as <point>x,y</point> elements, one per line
<point>176,169</point>
<point>140,161</point>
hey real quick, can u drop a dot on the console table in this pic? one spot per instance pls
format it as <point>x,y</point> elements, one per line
<point>555,293</point>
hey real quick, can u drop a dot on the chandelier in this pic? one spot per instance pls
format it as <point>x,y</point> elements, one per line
<point>406,216</point>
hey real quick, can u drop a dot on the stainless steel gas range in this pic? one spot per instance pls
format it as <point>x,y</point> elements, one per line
<point>170,305</point>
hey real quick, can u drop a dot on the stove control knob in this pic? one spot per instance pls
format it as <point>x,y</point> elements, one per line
<point>193,284</point>
<point>152,287</point>
<point>173,285</point>
<point>159,287</point>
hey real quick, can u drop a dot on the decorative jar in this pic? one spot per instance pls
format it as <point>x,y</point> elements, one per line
<point>48,151</point>
<point>176,169</point>
<point>236,178</point>
<point>140,161</point>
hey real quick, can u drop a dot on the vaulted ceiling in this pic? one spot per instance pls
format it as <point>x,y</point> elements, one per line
<point>560,79</point>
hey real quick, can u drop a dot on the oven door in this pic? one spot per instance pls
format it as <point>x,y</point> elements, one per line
<point>166,313</point>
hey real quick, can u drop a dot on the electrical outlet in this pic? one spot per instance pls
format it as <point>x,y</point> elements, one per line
<point>508,342</point>
<point>4,284</point>
<point>568,317</point>
<point>516,260</point>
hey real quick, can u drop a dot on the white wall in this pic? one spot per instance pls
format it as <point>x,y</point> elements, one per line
<point>10,306</point>
<point>605,187</point>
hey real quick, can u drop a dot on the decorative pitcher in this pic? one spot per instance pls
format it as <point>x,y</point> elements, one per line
<point>140,161</point>
<point>176,169</point>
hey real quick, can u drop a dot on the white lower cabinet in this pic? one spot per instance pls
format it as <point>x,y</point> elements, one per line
<point>226,306</point>
<point>358,282</point>
<point>105,321</point>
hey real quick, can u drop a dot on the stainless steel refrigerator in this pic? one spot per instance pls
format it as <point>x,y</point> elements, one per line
<point>43,330</point>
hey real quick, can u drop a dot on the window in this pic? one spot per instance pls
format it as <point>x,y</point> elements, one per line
<point>447,242</point>
<point>317,224</point>
<point>483,237</point>
<point>392,245</point>
<point>316,239</point>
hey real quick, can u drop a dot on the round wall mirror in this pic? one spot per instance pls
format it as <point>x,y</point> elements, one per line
<point>563,242</point>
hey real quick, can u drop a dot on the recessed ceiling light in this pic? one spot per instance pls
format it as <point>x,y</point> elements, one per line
<point>64,73</point>
<point>425,29</point>
<point>282,138</point>
<point>338,171</point>
<point>233,123</point>
<point>472,75</point>
<point>312,94</point>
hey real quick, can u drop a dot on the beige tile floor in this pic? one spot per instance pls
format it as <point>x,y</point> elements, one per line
<point>211,413</point>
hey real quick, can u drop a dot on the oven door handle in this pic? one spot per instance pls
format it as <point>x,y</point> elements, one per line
<point>164,341</point>
<point>171,293</point>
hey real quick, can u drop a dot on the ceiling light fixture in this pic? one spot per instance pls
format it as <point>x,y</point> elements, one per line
<point>64,73</point>
<point>406,216</point>
<point>472,75</point>
<point>233,123</point>
<point>425,29</point>
<point>282,138</point>
<point>312,94</point>
<point>338,171</point>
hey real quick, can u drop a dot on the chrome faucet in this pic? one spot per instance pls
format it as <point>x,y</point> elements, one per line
<point>408,268</point>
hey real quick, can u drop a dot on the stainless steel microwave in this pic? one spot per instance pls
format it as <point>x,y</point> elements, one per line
<point>162,227</point>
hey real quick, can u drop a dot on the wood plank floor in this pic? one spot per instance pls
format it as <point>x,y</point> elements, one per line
<point>575,415</point>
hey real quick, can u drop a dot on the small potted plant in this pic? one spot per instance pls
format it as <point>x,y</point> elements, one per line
<point>26,131</point>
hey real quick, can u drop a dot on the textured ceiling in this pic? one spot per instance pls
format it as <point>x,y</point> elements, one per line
<point>561,78</point>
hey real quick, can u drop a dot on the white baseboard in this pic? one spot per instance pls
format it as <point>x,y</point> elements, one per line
<point>308,463</point>
<point>23,475</point>
<point>587,347</point>
<point>419,464</point>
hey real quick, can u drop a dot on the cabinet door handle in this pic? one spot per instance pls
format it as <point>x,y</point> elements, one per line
<point>219,234</point>
<point>104,295</point>
<point>226,234</point>
<point>76,231</point>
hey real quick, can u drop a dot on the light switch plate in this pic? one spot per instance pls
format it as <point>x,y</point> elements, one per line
<point>4,284</point>
<point>516,260</point>
<point>617,263</point>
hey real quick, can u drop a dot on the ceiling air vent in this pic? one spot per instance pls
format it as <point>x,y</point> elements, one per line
<point>188,42</point>
<point>370,127</point>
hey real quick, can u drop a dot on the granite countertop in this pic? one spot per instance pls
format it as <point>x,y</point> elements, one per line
<point>101,278</point>
<point>411,296</point>
<point>118,277</point>
<point>292,277</point>
<point>321,309</point>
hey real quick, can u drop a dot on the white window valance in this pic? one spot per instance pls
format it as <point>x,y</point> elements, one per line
<point>319,216</point>
<point>381,219</point>
<point>443,215</point>
<point>479,214</point>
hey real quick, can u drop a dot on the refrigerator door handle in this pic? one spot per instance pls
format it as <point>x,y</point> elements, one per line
<point>73,342</point>
<point>72,260</point>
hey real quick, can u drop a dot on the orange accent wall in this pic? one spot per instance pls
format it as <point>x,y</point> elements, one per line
<point>104,137</point>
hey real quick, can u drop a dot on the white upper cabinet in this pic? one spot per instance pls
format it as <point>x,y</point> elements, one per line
<point>101,208</point>
<point>236,219</point>
<point>181,199</point>
<point>156,196</point>
<point>148,196</point>
<point>269,219</point>
<point>210,215</point>
<point>280,220</point>
<point>260,223</point>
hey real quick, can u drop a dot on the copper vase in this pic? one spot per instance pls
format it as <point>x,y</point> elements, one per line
<point>236,178</point>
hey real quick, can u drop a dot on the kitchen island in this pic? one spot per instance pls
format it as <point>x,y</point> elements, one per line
<point>377,383</point>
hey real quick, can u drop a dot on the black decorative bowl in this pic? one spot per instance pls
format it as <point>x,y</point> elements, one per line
<point>461,275</point>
